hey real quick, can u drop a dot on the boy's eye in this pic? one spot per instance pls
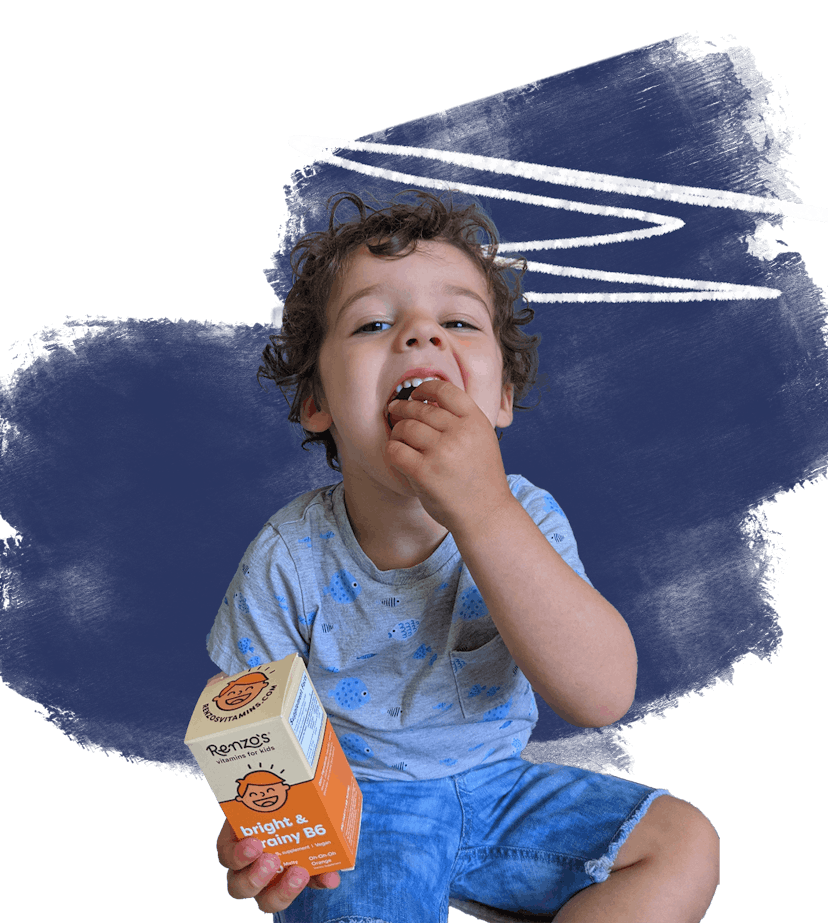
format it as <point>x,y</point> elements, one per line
<point>374,326</point>
<point>459,323</point>
<point>373,323</point>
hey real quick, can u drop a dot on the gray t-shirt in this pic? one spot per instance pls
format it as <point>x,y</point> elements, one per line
<point>416,680</point>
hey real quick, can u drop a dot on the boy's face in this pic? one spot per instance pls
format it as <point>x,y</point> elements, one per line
<point>426,314</point>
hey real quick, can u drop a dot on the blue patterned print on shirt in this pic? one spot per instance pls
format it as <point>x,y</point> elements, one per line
<point>404,629</point>
<point>343,587</point>
<point>471,605</point>
<point>500,711</point>
<point>351,693</point>
<point>354,747</point>
<point>252,659</point>
<point>550,505</point>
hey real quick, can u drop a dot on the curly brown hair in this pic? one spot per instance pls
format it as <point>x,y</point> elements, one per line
<point>291,357</point>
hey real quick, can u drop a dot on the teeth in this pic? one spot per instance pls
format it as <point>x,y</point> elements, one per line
<point>414,382</point>
<point>411,384</point>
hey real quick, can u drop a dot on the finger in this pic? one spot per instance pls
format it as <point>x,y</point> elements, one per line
<point>251,880</point>
<point>444,393</point>
<point>234,853</point>
<point>405,460</point>
<point>430,414</point>
<point>325,881</point>
<point>418,435</point>
<point>283,890</point>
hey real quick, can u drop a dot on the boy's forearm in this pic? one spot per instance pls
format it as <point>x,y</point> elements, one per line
<point>571,644</point>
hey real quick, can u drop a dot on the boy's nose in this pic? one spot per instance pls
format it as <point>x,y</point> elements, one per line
<point>420,329</point>
<point>435,340</point>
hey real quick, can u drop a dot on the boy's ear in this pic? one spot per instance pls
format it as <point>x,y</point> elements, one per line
<point>312,418</point>
<point>504,416</point>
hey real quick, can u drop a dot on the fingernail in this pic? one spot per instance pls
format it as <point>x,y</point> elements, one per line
<point>250,852</point>
<point>395,401</point>
<point>267,868</point>
<point>296,878</point>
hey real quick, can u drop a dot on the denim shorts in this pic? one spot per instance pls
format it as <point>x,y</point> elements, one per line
<point>515,835</point>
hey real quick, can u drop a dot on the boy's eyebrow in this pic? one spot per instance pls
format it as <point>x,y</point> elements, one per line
<point>447,288</point>
<point>362,293</point>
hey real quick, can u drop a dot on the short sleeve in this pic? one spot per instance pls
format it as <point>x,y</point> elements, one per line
<point>262,616</point>
<point>550,519</point>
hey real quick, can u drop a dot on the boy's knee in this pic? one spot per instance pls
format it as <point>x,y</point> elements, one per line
<point>709,856</point>
<point>673,830</point>
<point>689,847</point>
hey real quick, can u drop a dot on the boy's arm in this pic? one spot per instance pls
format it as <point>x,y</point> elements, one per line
<point>571,644</point>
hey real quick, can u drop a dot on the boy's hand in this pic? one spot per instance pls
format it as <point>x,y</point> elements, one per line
<point>449,454</point>
<point>252,873</point>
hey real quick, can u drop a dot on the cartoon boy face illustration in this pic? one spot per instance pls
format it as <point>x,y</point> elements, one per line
<point>240,691</point>
<point>262,791</point>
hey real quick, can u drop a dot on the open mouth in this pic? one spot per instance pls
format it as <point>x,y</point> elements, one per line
<point>405,389</point>
<point>402,395</point>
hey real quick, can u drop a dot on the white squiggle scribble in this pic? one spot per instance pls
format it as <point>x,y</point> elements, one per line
<point>695,290</point>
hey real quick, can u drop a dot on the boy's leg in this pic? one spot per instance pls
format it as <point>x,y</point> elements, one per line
<point>544,839</point>
<point>666,871</point>
<point>408,841</point>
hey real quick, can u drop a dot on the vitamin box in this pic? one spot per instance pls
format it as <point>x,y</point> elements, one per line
<point>267,748</point>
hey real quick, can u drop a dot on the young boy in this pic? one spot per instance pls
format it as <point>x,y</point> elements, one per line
<point>430,594</point>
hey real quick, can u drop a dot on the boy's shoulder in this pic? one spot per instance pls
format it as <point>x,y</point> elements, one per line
<point>320,502</point>
<point>316,503</point>
<point>320,513</point>
<point>292,529</point>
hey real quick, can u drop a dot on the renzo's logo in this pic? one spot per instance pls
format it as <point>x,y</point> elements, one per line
<point>245,743</point>
<point>239,697</point>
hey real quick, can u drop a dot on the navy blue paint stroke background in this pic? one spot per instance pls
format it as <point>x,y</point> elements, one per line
<point>139,465</point>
